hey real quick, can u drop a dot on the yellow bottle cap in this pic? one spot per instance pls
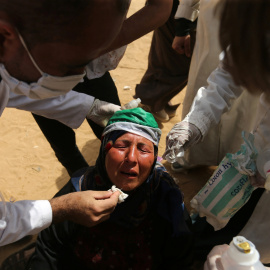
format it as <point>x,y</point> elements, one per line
<point>245,246</point>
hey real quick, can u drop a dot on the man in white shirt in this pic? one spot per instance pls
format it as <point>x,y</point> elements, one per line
<point>44,48</point>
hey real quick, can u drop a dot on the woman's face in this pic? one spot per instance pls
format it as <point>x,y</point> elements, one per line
<point>128,163</point>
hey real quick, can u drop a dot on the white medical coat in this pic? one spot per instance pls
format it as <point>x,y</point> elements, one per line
<point>226,136</point>
<point>70,109</point>
<point>207,109</point>
<point>24,218</point>
<point>30,217</point>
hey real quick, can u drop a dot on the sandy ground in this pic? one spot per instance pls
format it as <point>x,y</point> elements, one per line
<point>29,168</point>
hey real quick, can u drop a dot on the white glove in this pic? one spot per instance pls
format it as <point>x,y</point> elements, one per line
<point>213,261</point>
<point>101,111</point>
<point>181,137</point>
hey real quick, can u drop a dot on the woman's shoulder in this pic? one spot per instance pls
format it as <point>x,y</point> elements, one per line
<point>163,178</point>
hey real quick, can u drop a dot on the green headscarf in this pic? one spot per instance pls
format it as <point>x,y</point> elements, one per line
<point>136,121</point>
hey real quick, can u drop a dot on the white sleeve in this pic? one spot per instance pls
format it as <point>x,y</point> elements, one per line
<point>24,218</point>
<point>70,109</point>
<point>212,101</point>
<point>188,9</point>
<point>106,62</point>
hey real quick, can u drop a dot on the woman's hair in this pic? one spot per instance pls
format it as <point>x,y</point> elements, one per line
<point>51,20</point>
<point>245,39</point>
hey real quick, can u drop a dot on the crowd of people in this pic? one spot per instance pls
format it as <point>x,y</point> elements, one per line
<point>228,79</point>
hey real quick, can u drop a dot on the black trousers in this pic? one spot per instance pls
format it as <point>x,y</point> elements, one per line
<point>62,138</point>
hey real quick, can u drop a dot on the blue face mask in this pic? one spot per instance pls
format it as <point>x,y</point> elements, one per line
<point>47,86</point>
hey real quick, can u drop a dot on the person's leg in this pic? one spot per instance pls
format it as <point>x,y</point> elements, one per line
<point>63,142</point>
<point>166,74</point>
<point>102,88</point>
<point>18,260</point>
<point>62,138</point>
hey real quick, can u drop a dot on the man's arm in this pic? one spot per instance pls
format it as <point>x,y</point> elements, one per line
<point>212,101</point>
<point>24,218</point>
<point>71,109</point>
<point>154,14</point>
<point>207,108</point>
<point>87,208</point>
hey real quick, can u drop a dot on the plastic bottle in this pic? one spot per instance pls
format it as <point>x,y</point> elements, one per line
<point>241,255</point>
<point>132,104</point>
<point>263,166</point>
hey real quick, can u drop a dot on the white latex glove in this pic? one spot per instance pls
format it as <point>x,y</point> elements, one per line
<point>181,137</point>
<point>213,261</point>
<point>101,112</point>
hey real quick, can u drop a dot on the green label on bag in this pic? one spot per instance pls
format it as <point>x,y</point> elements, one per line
<point>247,193</point>
<point>229,187</point>
<point>229,195</point>
<point>226,171</point>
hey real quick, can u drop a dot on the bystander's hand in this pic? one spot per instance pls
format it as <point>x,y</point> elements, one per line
<point>182,45</point>
<point>87,208</point>
<point>182,136</point>
<point>213,261</point>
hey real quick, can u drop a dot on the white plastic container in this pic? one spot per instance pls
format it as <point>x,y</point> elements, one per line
<point>132,104</point>
<point>241,255</point>
<point>263,166</point>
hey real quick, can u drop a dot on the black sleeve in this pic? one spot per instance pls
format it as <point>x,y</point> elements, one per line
<point>53,250</point>
<point>54,244</point>
<point>172,253</point>
<point>184,26</point>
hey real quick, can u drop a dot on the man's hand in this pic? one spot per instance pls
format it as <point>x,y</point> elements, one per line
<point>182,45</point>
<point>87,208</point>
<point>101,111</point>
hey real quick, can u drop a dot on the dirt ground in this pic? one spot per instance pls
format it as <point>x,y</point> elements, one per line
<point>29,168</point>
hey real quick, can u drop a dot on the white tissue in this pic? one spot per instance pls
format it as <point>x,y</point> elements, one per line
<point>122,195</point>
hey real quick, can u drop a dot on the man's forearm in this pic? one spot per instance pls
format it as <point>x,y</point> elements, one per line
<point>150,17</point>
